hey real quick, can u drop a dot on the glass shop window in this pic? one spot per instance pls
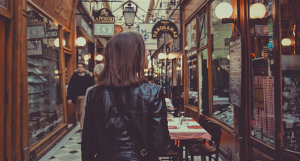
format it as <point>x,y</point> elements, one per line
<point>261,40</point>
<point>3,3</point>
<point>179,77</point>
<point>192,63</point>
<point>221,35</point>
<point>290,51</point>
<point>163,74</point>
<point>169,79</point>
<point>67,39</point>
<point>204,82</point>
<point>44,82</point>
<point>202,28</point>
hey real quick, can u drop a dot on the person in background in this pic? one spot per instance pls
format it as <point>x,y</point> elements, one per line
<point>97,70</point>
<point>79,82</point>
<point>142,105</point>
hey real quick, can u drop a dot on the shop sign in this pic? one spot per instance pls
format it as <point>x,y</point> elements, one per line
<point>104,23</point>
<point>165,26</point>
<point>146,32</point>
<point>59,9</point>
<point>35,25</point>
<point>235,72</point>
<point>34,47</point>
<point>52,33</point>
<point>34,19</point>
<point>84,26</point>
<point>104,15</point>
<point>104,30</point>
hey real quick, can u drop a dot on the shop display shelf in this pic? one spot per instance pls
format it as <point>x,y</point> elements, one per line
<point>39,91</point>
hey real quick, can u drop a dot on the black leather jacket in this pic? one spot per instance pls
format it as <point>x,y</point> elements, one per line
<point>104,135</point>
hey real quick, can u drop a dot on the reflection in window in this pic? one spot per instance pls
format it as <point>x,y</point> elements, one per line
<point>204,82</point>
<point>191,36</point>
<point>3,3</point>
<point>169,81</point>
<point>44,88</point>
<point>193,78</point>
<point>192,63</point>
<point>290,29</point>
<point>202,28</point>
<point>263,113</point>
<point>221,34</point>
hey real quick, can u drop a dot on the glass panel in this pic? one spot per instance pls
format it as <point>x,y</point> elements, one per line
<point>3,3</point>
<point>261,39</point>
<point>202,28</point>
<point>192,63</point>
<point>204,82</point>
<point>169,82</point>
<point>163,74</point>
<point>44,88</point>
<point>220,34</point>
<point>290,30</point>
<point>67,38</point>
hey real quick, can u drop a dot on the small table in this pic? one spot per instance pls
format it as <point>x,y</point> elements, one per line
<point>190,129</point>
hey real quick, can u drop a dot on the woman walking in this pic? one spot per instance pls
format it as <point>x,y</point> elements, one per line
<point>126,117</point>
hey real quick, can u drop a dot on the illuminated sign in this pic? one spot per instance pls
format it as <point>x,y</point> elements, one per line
<point>104,15</point>
<point>104,23</point>
<point>35,29</point>
<point>34,19</point>
<point>165,26</point>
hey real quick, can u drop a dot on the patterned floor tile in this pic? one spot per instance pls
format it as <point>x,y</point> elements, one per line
<point>71,150</point>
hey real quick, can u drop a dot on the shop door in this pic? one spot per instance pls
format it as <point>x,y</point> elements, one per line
<point>2,88</point>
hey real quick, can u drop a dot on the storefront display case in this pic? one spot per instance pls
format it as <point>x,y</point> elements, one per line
<point>49,58</point>
<point>45,92</point>
<point>207,69</point>
<point>268,60</point>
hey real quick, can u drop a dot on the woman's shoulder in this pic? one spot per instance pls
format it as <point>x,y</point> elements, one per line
<point>88,89</point>
<point>96,90</point>
<point>152,85</point>
<point>150,88</point>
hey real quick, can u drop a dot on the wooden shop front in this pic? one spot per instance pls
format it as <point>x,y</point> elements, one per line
<point>38,38</point>
<point>262,121</point>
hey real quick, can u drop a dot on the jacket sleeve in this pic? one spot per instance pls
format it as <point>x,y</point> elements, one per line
<point>84,102</point>
<point>160,141</point>
<point>70,88</point>
<point>86,143</point>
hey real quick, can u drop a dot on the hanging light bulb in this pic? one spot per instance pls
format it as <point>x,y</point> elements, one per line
<point>80,41</point>
<point>257,10</point>
<point>228,57</point>
<point>56,42</point>
<point>99,57</point>
<point>223,10</point>
<point>286,42</point>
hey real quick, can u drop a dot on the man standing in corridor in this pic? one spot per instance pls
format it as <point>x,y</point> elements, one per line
<point>79,82</point>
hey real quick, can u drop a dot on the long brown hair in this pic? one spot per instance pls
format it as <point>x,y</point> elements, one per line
<point>124,61</point>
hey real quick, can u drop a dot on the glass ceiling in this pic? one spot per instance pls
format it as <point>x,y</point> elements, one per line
<point>142,5</point>
<point>141,14</point>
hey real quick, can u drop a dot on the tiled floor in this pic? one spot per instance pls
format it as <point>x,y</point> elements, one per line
<point>69,149</point>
